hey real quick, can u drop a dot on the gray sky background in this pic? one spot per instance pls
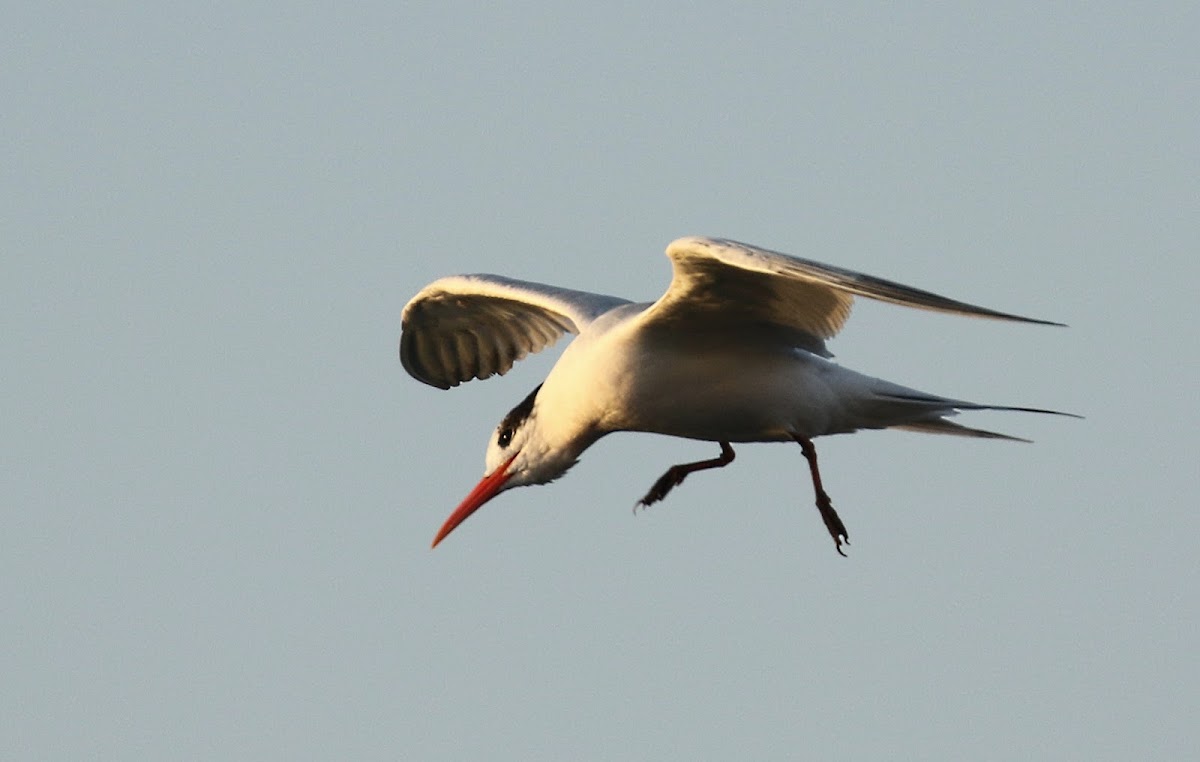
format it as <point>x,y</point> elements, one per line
<point>220,486</point>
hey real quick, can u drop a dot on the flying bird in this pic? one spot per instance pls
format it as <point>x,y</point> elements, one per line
<point>734,351</point>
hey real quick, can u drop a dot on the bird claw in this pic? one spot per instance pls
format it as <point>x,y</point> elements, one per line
<point>833,522</point>
<point>664,485</point>
<point>838,541</point>
<point>647,501</point>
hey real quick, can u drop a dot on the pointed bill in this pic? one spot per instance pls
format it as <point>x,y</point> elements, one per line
<point>483,492</point>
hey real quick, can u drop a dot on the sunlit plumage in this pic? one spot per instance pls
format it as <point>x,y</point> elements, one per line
<point>734,351</point>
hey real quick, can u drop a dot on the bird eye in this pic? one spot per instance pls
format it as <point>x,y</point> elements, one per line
<point>505,437</point>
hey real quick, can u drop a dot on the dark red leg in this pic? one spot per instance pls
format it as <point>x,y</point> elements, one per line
<point>676,474</point>
<point>837,530</point>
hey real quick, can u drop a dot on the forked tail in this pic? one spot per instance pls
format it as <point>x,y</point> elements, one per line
<point>928,414</point>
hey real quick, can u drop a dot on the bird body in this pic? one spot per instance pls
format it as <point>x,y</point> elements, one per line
<point>733,352</point>
<point>701,385</point>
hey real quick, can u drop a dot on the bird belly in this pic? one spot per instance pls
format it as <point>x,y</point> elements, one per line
<point>713,385</point>
<point>723,392</point>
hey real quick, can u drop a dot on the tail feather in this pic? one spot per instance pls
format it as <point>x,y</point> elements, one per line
<point>932,409</point>
<point>933,402</point>
<point>942,426</point>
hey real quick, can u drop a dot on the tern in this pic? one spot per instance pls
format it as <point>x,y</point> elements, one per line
<point>734,351</point>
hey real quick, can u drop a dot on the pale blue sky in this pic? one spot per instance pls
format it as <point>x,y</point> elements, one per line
<point>220,486</point>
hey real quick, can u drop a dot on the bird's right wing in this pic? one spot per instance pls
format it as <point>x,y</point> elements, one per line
<point>721,282</point>
<point>474,326</point>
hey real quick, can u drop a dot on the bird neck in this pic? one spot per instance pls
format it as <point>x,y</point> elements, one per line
<point>566,423</point>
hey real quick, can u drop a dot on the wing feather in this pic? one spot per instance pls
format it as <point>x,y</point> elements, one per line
<point>719,282</point>
<point>488,355</point>
<point>475,326</point>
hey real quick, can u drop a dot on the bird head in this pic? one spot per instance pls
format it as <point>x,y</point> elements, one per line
<point>518,454</point>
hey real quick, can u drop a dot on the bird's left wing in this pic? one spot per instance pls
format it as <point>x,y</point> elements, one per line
<point>718,281</point>
<point>474,326</point>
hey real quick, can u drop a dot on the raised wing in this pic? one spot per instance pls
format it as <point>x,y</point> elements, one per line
<point>474,326</point>
<point>717,281</point>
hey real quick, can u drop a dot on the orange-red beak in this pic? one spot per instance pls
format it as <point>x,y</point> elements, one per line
<point>483,492</point>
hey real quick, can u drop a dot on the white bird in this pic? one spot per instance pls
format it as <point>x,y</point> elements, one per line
<point>734,351</point>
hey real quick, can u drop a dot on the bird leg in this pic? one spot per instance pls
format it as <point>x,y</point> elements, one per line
<point>837,530</point>
<point>676,474</point>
